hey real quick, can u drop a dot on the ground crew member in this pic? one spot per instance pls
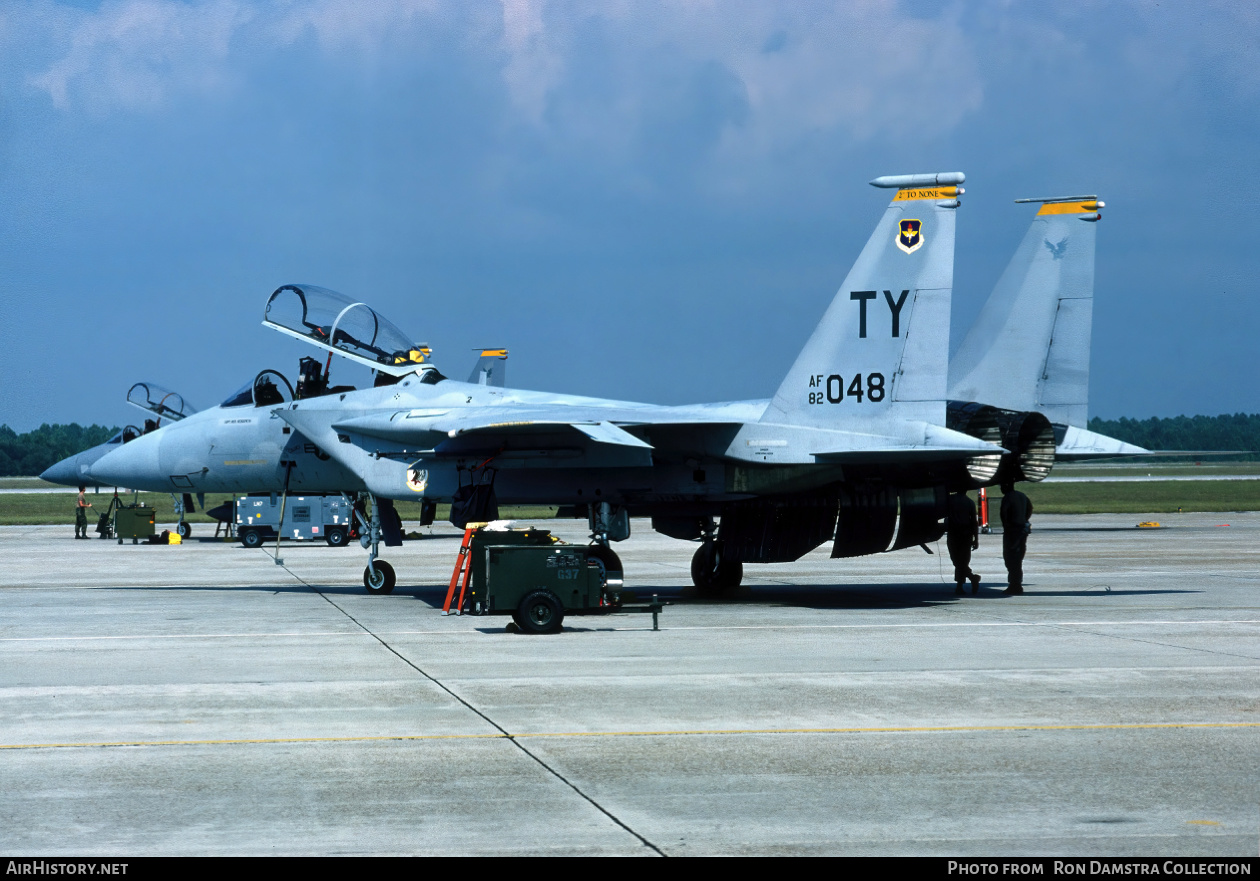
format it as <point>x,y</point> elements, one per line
<point>1016,509</point>
<point>80,514</point>
<point>962,537</point>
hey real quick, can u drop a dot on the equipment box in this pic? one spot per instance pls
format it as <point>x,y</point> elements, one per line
<point>306,518</point>
<point>482,539</point>
<point>528,574</point>
<point>133,522</point>
<point>512,573</point>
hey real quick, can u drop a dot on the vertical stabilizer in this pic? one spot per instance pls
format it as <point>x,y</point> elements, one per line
<point>882,348</point>
<point>490,369</point>
<point>1029,347</point>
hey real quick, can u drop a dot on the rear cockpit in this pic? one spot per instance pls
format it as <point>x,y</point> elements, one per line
<point>351,329</point>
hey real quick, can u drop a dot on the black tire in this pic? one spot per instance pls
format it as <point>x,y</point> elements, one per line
<point>383,582</point>
<point>336,537</point>
<point>251,538</point>
<point>710,576</point>
<point>184,529</point>
<point>540,612</point>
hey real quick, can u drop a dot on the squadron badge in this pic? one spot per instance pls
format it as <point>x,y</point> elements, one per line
<point>910,236</point>
<point>417,481</point>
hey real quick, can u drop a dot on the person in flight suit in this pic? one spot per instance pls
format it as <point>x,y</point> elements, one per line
<point>962,537</point>
<point>1016,509</point>
<point>80,514</point>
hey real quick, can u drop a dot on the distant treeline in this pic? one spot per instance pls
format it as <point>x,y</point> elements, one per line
<point>1239,431</point>
<point>25,455</point>
<point>28,454</point>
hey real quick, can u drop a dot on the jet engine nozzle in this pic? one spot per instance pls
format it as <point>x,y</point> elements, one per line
<point>1028,436</point>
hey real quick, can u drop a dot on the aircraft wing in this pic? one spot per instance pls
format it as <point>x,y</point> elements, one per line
<point>628,436</point>
<point>491,431</point>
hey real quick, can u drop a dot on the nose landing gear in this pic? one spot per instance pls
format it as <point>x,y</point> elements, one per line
<point>378,576</point>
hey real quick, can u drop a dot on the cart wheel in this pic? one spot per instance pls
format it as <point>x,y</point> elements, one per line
<point>540,612</point>
<point>379,577</point>
<point>251,538</point>
<point>184,529</point>
<point>336,537</point>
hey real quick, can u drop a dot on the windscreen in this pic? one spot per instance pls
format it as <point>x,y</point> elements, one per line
<point>334,321</point>
<point>165,403</point>
<point>269,388</point>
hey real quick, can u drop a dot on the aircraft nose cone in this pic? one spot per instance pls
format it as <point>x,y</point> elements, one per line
<point>65,472</point>
<point>133,465</point>
<point>76,470</point>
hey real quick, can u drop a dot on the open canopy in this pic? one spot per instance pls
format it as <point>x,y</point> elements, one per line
<point>163,402</point>
<point>335,322</point>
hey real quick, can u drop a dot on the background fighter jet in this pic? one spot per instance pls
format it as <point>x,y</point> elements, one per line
<point>163,404</point>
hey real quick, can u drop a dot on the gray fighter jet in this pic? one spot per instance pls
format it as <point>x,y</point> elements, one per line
<point>853,445</point>
<point>163,404</point>
<point>1029,347</point>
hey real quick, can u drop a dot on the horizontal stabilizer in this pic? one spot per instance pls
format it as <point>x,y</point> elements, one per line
<point>1081,445</point>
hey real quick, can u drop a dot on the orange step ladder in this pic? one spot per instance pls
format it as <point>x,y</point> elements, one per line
<point>463,567</point>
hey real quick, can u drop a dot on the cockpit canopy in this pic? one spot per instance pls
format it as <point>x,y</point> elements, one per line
<point>163,402</point>
<point>268,389</point>
<point>335,322</point>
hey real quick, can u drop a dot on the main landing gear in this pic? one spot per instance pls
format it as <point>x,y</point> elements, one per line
<point>711,572</point>
<point>378,576</point>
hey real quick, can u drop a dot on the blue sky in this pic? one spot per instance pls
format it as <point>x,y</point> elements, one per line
<point>643,200</point>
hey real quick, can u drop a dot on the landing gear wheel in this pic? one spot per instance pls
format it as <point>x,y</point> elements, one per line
<point>251,538</point>
<point>336,538</point>
<point>184,529</point>
<point>540,612</point>
<point>379,577</point>
<point>712,576</point>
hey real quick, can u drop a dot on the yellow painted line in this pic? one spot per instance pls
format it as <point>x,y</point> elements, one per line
<point>1202,823</point>
<point>697,732</point>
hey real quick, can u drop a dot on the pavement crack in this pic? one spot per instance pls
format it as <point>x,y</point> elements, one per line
<point>493,724</point>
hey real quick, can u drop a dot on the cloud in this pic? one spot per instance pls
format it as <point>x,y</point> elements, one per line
<point>132,55</point>
<point>864,68</point>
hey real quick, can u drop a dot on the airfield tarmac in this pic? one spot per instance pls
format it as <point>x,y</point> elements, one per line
<point>199,699</point>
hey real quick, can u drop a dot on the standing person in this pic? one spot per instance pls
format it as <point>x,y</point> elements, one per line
<point>962,537</point>
<point>80,514</point>
<point>1016,509</point>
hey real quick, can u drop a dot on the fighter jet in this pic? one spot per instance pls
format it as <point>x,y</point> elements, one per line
<point>853,445</point>
<point>164,405</point>
<point>1028,350</point>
